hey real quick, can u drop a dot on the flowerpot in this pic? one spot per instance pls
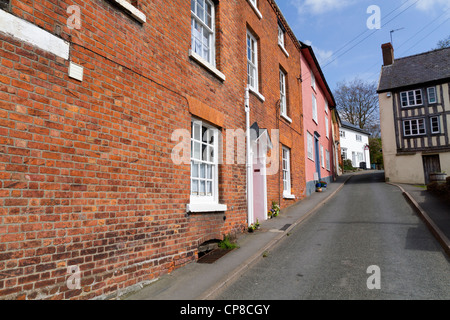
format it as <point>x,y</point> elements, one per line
<point>319,190</point>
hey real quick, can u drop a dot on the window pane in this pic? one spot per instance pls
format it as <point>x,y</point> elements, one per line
<point>194,187</point>
<point>418,97</point>
<point>208,15</point>
<point>194,169</point>
<point>209,188</point>
<point>201,189</point>
<point>404,99</point>
<point>202,170</point>
<point>209,172</point>
<point>200,10</point>
<point>193,6</point>
<point>431,95</point>
<point>197,154</point>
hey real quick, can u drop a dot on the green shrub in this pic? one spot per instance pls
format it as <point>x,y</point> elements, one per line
<point>227,244</point>
<point>348,164</point>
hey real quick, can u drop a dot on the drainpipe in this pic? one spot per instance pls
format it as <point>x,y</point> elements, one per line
<point>249,160</point>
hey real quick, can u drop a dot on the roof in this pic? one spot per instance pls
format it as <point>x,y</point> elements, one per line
<point>310,56</point>
<point>428,67</point>
<point>348,125</point>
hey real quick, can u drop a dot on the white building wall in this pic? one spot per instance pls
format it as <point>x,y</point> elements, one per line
<point>350,143</point>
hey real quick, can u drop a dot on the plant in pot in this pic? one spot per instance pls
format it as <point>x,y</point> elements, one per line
<point>318,187</point>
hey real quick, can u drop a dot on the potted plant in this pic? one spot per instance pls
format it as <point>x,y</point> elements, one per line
<point>274,211</point>
<point>318,187</point>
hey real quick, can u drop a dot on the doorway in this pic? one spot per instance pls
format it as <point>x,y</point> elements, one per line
<point>431,164</point>
<point>316,145</point>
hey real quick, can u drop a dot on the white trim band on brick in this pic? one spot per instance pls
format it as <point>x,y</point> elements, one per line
<point>32,34</point>
<point>206,207</point>
<point>135,12</point>
<point>207,65</point>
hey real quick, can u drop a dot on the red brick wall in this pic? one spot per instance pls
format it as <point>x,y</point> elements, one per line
<point>266,113</point>
<point>85,172</point>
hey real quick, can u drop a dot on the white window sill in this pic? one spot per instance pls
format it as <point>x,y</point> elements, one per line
<point>283,49</point>
<point>135,12</point>
<point>206,207</point>
<point>207,65</point>
<point>255,9</point>
<point>285,117</point>
<point>288,196</point>
<point>259,95</point>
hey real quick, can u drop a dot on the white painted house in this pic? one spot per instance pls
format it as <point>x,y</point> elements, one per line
<point>355,145</point>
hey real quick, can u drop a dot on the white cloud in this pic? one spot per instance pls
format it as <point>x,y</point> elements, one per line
<point>323,56</point>
<point>430,5</point>
<point>320,6</point>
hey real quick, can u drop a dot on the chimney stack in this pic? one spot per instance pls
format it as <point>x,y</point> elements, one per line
<point>388,54</point>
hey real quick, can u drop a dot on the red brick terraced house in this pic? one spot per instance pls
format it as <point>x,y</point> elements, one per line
<point>115,122</point>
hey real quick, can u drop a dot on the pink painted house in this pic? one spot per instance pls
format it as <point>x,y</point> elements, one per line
<point>318,104</point>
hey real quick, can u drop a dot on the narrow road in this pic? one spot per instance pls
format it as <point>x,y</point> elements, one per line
<point>368,223</point>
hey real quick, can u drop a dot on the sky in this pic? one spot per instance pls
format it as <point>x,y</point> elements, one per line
<point>338,31</point>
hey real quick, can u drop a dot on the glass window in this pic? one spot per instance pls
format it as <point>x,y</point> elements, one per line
<point>314,108</point>
<point>252,62</point>
<point>204,162</point>
<point>280,36</point>
<point>432,95</point>
<point>283,103</point>
<point>310,142</point>
<point>286,171</point>
<point>414,127</point>
<point>435,125</point>
<point>411,98</point>
<point>202,29</point>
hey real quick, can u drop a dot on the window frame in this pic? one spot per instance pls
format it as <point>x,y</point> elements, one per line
<point>322,157</point>
<point>344,153</point>
<point>437,118</point>
<point>250,64</point>
<point>310,146</point>
<point>358,137</point>
<point>214,197</point>
<point>283,94</point>
<point>286,170</point>
<point>327,128</point>
<point>211,31</point>
<point>327,159</point>
<point>281,36</point>
<point>411,134</point>
<point>434,93</point>
<point>314,108</point>
<point>406,95</point>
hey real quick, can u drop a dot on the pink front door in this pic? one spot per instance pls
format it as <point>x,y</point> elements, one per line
<point>259,190</point>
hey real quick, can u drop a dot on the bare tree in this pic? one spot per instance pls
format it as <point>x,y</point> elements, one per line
<point>357,103</point>
<point>444,43</point>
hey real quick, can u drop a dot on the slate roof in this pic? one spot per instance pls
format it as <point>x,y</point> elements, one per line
<point>422,68</point>
<point>348,125</point>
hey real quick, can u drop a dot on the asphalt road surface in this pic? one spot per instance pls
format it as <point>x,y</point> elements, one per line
<point>365,243</point>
